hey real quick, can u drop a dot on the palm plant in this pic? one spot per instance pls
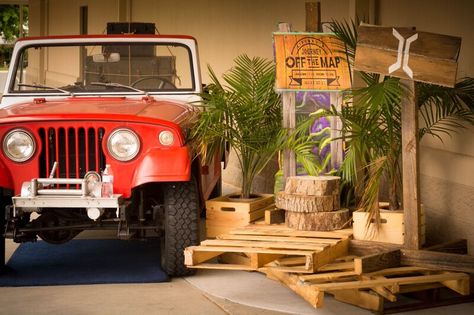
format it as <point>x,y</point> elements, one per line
<point>371,120</point>
<point>245,114</point>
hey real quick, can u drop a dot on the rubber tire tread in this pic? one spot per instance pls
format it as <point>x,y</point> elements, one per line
<point>181,225</point>
<point>3,203</point>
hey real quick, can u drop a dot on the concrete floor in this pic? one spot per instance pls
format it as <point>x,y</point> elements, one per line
<point>176,297</point>
<point>209,292</point>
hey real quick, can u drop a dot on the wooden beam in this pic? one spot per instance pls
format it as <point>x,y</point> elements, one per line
<point>420,258</point>
<point>289,120</point>
<point>337,155</point>
<point>283,239</point>
<point>192,257</point>
<point>437,260</point>
<point>223,267</point>
<point>453,247</point>
<point>347,265</point>
<point>375,262</point>
<point>330,254</point>
<point>264,244</point>
<point>397,271</point>
<point>281,230</point>
<point>410,167</point>
<point>307,292</point>
<point>274,216</point>
<point>363,299</point>
<point>386,292</point>
<point>431,58</point>
<point>363,248</point>
<point>326,276</point>
<point>290,261</point>
<point>392,281</point>
<point>460,286</point>
<point>313,16</point>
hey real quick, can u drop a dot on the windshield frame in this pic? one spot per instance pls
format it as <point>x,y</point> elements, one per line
<point>186,42</point>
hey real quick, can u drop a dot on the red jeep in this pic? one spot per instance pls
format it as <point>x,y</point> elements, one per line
<point>73,105</point>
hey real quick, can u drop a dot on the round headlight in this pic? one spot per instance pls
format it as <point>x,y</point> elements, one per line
<point>166,138</point>
<point>123,144</point>
<point>19,145</point>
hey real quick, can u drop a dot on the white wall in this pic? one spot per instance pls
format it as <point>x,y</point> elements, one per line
<point>223,28</point>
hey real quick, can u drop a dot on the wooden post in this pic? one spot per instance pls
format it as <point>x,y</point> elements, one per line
<point>412,56</point>
<point>313,16</point>
<point>289,120</point>
<point>411,168</point>
<point>336,126</point>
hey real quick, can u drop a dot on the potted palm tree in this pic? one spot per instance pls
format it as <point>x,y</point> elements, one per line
<point>371,127</point>
<point>245,114</point>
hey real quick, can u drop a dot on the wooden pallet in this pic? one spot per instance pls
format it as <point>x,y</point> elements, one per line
<point>369,290</point>
<point>252,247</point>
<point>314,263</point>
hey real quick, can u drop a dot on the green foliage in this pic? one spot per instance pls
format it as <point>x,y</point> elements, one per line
<point>245,114</point>
<point>446,110</point>
<point>10,21</point>
<point>5,55</point>
<point>371,124</point>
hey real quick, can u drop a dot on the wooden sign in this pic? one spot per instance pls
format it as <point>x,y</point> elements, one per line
<point>408,54</point>
<point>309,61</point>
<point>412,56</point>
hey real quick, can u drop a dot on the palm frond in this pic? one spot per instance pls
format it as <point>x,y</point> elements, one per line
<point>446,110</point>
<point>245,112</point>
<point>346,32</point>
<point>371,122</point>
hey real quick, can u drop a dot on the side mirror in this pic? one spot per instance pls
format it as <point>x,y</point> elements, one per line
<point>112,57</point>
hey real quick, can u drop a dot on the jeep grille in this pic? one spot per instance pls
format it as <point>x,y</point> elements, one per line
<point>77,151</point>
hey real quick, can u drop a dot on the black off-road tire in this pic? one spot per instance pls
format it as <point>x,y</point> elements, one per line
<point>3,203</point>
<point>181,225</point>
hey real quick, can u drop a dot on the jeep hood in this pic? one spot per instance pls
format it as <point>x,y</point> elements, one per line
<point>100,108</point>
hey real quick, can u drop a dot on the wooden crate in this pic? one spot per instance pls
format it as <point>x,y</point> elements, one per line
<point>222,214</point>
<point>391,230</point>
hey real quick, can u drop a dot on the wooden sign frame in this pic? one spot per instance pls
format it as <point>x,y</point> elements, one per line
<point>412,56</point>
<point>408,54</point>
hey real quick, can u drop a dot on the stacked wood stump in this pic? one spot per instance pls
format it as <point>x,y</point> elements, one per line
<point>312,203</point>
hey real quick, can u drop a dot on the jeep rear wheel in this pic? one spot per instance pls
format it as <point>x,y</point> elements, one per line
<point>181,225</point>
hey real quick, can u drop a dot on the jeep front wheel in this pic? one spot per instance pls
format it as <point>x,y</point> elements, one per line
<point>3,204</point>
<point>181,225</point>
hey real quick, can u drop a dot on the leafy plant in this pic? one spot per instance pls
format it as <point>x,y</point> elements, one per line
<point>245,114</point>
<point>371,124</point>
<point>10,21</point>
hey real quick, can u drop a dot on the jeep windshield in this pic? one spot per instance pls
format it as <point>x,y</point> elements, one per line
<point>103,68</point>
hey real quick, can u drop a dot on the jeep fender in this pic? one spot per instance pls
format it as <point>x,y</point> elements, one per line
<point>5,177</point>
<point>163,165</point>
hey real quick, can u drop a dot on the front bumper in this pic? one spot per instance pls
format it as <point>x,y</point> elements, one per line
<point>30,204</point>
<point>39,193</point>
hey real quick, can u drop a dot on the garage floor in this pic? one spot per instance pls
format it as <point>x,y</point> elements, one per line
<point>209,292</point>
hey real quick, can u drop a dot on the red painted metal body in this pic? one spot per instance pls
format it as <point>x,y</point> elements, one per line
<point>74,116</point>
